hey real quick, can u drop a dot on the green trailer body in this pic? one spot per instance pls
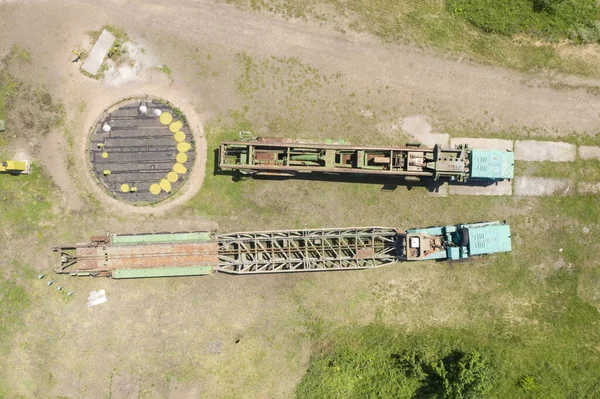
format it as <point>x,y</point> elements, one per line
<point>283,157</point>
<point>163,272</point>
<point>157,238</point>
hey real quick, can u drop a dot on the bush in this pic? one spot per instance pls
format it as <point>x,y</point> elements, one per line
<point>370,365</point>
<point>550,19</point>
<point>527,383</point>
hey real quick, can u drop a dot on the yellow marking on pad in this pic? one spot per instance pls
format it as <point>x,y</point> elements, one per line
<point>184,147</point>
<point>155,189</point>
<point>176,126</point>
<point>124,188</point>
<point>166,118</point>
<point>165,185</point>
<point>179,136</point>
<point>181,157</point>
<point>179,168</point>
<point>172,177</point>
<point>105,155</point>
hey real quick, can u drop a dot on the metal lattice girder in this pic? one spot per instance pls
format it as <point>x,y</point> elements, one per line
<point>306,250</point>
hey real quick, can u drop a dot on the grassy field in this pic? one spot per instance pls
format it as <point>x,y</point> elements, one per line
<point>531,316</point>
<point>515,34</point>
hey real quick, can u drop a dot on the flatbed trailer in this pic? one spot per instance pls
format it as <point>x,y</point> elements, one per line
<point>284,157</point>
<point>280,251</point>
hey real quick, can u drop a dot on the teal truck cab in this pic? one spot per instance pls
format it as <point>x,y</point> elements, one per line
<point>454,242</point>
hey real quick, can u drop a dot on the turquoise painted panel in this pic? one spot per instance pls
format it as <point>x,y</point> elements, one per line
<point>492,164</point>
<point>434,231</point>
<point>487,239</point>
<point>160,238</point>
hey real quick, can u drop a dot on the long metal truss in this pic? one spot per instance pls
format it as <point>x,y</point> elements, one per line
<point>306,250</point>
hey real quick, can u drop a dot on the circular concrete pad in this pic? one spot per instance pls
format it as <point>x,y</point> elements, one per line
<point>141,151</point>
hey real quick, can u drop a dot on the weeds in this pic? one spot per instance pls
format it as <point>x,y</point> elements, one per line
<point>164,69</point>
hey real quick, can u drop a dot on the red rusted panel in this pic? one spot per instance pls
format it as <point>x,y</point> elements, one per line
<point>147,256</point>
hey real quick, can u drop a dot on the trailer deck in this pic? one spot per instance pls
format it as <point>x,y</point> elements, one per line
<point>283,157</point>
<point>280,251</point>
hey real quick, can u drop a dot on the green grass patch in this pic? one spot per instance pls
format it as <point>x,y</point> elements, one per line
<point>20,54</point>
<point>580,170</point>
<point>26,202</point>
<point>9,88</point>
<point>480,29</point>
<point>220,196</point>
<point>165,69</point>
<point>379,361</point>
<point>552,20</point>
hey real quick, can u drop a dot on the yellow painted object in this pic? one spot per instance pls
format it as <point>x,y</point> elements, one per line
<point>14,167</point>
<point>179,169</point>
<point>155,189</point>
<point>133,189</point>
<point>166,118</point>
<point>181,157</point>
<point>180,137</point>
<point>124,188</point>
<point>175,126</point>
<point>165,185</point>
<point>105,155</point>
<point>172,177</point>
<point>184,147</point>
<point>106,172</point>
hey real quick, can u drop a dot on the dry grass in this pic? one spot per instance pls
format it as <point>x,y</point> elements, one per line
<point>224,336</point>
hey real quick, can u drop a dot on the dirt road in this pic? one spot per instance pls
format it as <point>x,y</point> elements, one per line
<point>456,90</point>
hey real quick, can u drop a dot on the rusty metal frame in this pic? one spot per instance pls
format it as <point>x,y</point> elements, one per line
<point>306,250</point>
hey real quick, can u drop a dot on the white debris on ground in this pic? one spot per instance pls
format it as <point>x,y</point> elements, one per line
<point>99,51</point>
<point>130,67</point>
<point>96,298</point>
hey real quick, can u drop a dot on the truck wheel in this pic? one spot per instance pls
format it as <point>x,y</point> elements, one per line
<point>464,237</point>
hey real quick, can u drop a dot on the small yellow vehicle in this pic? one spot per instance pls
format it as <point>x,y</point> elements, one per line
<point>14,167</point>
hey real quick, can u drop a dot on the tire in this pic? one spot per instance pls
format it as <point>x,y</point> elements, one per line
<point>464,237</point>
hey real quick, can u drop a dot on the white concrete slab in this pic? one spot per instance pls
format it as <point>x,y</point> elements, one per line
<point>527,186</point>
<point>499,188</point>
<point>589,152</point>
<point>483,144</point>
<point>99,50</point>
<point>588,188</point>
<point>418,127</point>
<point>530,150</point>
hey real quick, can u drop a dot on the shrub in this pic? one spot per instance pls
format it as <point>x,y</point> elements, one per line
<point>550,19</point>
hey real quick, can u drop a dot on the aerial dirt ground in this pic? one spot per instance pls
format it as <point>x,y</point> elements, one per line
<point>222,336</point>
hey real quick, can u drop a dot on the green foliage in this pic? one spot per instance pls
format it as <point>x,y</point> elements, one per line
<point>550,19</point>
<point>527,383</point>
<point>379,363</point>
